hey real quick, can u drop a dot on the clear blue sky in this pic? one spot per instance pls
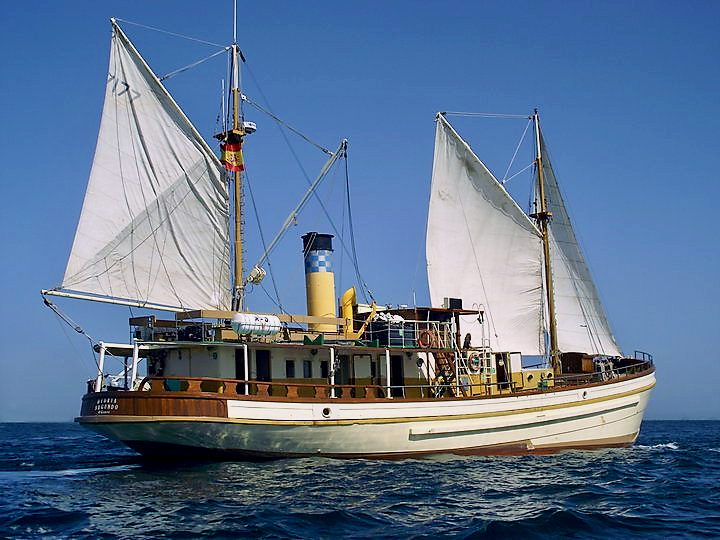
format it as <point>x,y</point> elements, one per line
<point>628,94</point>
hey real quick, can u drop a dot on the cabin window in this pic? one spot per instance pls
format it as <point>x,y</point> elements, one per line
<point>307,369</point>
<point>324,371</point>
<point>373,369</point>
<point>290,369</point>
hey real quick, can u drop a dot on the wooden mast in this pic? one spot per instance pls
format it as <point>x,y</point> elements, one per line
<point>238,303</point>
<point>543,217</point>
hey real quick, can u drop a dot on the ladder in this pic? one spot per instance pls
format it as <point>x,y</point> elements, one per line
<point>445,371</point>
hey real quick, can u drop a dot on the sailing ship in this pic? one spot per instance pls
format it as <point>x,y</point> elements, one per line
<point>347,379</point>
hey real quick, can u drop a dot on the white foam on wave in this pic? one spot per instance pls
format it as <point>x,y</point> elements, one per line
<point>66,472</point>
<point>663,446</point>
<point>714,449</point>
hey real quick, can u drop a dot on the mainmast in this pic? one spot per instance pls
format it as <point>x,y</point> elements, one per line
<point>232,140</point>
<point>238,131</point>
<point>543,218</point>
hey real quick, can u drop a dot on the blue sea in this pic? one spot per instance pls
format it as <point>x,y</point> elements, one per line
<point>59,480</point>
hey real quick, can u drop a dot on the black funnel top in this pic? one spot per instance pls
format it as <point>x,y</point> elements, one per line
<point>316,241</point>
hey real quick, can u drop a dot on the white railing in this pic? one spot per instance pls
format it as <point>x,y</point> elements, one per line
<point>411,334</point>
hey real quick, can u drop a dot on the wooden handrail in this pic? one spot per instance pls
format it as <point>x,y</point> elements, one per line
<point>235,387</point>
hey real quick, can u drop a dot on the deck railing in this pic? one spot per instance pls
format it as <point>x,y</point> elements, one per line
<point>576,379</point>
<point>235,387</point>
<point>464,387</point>
<point>412,334</point>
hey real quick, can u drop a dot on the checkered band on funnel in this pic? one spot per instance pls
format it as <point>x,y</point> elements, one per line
<point>318,260</point>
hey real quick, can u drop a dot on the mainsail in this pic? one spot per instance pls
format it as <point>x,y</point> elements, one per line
<point>581,322</point>
<point>154,223</point>
<point>481,247</point>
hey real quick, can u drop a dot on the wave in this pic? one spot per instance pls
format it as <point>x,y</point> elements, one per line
<point>662,446</point>
<point>39,473</point>
<point>667,486</point>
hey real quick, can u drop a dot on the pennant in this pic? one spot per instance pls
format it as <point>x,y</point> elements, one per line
<point>232,157</point>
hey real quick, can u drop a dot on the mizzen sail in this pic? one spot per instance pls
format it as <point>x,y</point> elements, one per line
<point>154,223</point>
<point>481,247</point>
<point>581,322</point>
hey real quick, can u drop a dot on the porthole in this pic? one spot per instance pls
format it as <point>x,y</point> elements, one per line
<point>326,412</point>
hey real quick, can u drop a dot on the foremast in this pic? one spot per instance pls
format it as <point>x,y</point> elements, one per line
<point>543,219</point>
<point>239,131</point>
<point>232,140</point>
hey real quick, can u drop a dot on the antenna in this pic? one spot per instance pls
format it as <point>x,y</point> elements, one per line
<point>234,22</point>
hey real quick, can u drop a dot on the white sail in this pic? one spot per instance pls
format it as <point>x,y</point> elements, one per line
<point>154,223</point>
<point>481,247</point>
<point>581,322</point>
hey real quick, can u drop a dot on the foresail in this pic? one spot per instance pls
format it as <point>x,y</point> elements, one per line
<point>154,223</point>
<point>581,321</point>
<point>481,247</point>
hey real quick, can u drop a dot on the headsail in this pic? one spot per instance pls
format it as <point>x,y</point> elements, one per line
<point>581,322</point>
<point>481,247</point>
<point>154,223</point>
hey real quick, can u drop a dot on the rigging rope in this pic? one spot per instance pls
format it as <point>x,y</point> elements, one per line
<point>77,352</point>
<point>170,33</point>
<point>485,115</point>
<point>190,66</point>
<point>361,282</point>
<point>72,324</point>
<point>302,169</point>
<point>264,244</point>
<point>284,124</point>
<point>518,173</point>
<point>342,239</point>
<point>522,138</point>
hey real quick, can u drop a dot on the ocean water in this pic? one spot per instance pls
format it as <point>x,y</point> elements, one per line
<point>59,480</point>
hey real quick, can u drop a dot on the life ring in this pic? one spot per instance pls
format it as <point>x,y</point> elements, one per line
<point>426,339</point>
<point>473,363</point>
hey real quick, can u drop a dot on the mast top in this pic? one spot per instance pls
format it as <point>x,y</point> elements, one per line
<point>235,22</point>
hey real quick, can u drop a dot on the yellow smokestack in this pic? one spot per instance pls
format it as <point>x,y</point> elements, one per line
<point>319,279</point>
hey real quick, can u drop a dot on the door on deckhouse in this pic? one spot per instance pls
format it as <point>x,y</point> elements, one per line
<point>345,373</point>
<point>397,380</point>
<point>262,364</point>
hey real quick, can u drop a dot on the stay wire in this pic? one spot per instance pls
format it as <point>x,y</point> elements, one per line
<point>342,240</point>
<point>282,123</point>
<point>264,244</point>
<point>517,149</point>
<point>485,115</point>
<point>361,282</point>
<point>170,33</point>
<point>190,66</point>
<point>302,169</point>
<point>67,336</point>
<point>72,324</point>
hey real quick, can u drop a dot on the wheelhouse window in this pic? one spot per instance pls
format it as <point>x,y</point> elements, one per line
<point>289,369</point>
<point>324,371</point>
<point>307,369</point>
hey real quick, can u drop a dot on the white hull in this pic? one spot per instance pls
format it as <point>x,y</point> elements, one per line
<point>596,416</point>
